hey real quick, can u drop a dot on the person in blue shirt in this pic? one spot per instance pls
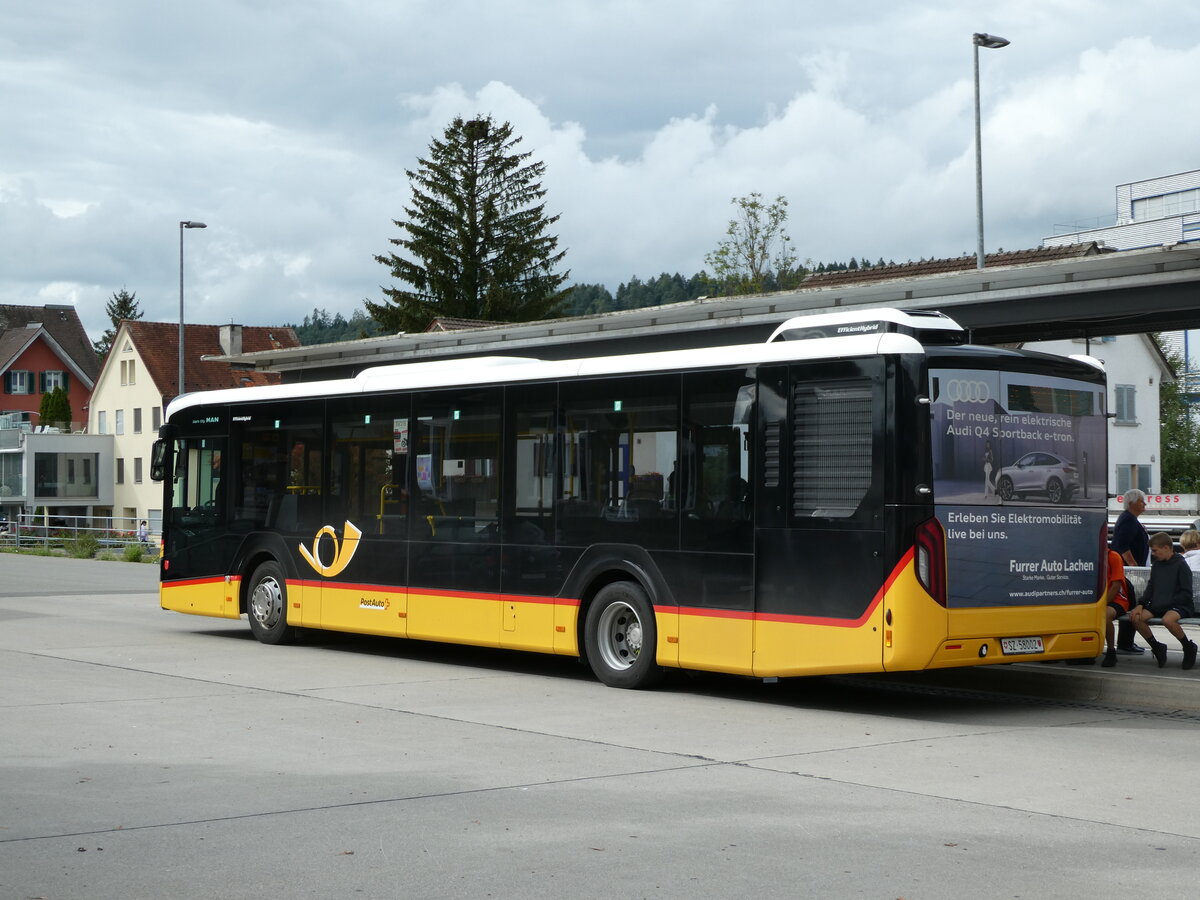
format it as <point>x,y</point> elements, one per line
<point>1132,542</point>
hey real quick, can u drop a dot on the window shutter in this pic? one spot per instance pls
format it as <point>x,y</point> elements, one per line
<point>41,382</point>
<point>8,382</point>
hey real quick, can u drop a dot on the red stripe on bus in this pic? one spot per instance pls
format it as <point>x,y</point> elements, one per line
<point>437,592</point>
<point>192,582</point>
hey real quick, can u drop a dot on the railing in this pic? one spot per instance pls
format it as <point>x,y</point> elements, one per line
<point>35,531</point>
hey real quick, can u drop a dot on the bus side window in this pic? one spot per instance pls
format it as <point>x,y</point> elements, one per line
<point>457,457</point>
<point>197,496</point>
<point>713,489</point>
<point>368,461</point>
<point>620,449</point>
<point>529,486</point>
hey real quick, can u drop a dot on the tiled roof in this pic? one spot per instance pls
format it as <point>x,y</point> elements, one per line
<point>957,264</point>
<point>448,323</point>
<point>61,323</point>
<point>158,344</point>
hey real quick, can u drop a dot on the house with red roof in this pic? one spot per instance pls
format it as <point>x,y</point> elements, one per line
<point>41,348</point>
<point>140,377</point>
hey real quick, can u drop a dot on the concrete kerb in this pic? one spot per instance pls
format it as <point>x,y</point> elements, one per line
<point>1136,681</point>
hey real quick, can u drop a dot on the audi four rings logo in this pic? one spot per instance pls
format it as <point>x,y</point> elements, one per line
<point>960,391</point>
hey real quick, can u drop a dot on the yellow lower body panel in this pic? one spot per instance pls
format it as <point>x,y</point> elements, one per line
<point>363,609</point>
<point>787,648</point>
<point>202,596</point>
<point>714,642</point>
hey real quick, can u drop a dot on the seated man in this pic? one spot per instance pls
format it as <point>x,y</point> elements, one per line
<point>1168,596</point>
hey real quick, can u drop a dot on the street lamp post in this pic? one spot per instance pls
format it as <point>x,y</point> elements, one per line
<point>990,42</point>
<point>182,225</point>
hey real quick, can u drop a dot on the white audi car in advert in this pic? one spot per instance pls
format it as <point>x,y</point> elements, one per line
<point>1039,472</point>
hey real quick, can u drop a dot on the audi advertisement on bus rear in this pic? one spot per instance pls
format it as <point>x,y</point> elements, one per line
<point>1019,470</point>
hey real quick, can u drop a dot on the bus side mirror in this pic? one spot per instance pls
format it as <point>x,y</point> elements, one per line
<point>158,460</point>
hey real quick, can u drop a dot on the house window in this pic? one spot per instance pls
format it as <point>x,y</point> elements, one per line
<point>1133,475</point>
<point>137,470</point>
<point>1125,406</point>
<point>156,418</point>
<point>137,421</point>
<point>120,425</point>
<point>52,379</point>
<point>127,371</point>
<point>101,422</point>
<point>18,381</point>
<point>120,470</point>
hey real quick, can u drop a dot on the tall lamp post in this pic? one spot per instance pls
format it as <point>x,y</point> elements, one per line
<point>182,225</point>
<point>990,42</point>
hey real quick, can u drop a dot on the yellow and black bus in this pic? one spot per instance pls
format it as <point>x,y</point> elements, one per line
<point>862,493</point>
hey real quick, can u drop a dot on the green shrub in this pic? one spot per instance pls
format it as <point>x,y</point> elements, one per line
<point>106,557</point>
<point>133,553</point>
<point>82,547</point>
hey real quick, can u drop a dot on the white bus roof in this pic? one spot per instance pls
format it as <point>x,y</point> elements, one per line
<point>488,370</point>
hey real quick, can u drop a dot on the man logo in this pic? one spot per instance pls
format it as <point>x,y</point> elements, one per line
<point>968,391</point>
<point>342,553</point>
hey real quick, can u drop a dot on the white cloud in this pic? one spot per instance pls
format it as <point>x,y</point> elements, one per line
<point>289,131</point>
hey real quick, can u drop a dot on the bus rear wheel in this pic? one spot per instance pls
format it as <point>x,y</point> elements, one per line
<point>266,605</point>
<point>621,637</point>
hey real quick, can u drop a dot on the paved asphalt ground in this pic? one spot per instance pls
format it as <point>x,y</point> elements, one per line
<point>146,754</point>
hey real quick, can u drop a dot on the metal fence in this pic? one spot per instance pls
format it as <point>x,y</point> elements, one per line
<point>36,531</point>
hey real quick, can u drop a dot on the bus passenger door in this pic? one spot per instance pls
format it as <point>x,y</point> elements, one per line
<point>454,541</point>
<point>366,502</point>
<point>713,575</point>
<point>200,546</point>
<point>820,545</point>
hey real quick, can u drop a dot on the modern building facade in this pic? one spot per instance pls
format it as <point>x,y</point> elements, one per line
<point>55,475</point>
<point>1154,212</point>
<point>1149,213</point>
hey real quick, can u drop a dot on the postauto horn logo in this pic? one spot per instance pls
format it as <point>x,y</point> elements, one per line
<point>343,552</point>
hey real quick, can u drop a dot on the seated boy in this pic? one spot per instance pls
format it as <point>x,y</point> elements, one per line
<point>1117,598</point>
<point>1168,596</point>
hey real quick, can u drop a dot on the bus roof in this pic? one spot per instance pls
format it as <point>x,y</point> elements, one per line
<point>488,370</point>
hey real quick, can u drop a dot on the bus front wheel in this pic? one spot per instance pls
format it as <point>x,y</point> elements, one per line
<point>621,637</point>
<point>266,605</point>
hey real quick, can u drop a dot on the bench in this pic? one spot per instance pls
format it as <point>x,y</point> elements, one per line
<point>1139,577</point>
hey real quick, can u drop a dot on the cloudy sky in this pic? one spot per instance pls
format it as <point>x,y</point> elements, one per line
<point>287,127</point>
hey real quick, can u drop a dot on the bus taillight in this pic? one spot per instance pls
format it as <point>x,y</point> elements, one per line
<point>931,559</point>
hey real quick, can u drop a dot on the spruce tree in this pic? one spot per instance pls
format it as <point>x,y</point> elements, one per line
<point>475,242</point>
<point>123,305</point>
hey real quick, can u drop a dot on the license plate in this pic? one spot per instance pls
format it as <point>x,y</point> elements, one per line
<point>1017,646</point>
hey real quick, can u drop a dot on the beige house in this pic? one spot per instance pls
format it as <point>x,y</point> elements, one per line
<point>139,379</point>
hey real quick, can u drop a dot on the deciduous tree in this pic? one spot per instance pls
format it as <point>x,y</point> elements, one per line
<point>756,246</point>
<point>1179,433</point>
